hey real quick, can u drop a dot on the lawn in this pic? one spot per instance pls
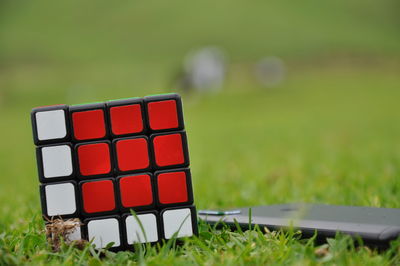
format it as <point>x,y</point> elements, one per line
<point>330,133</point>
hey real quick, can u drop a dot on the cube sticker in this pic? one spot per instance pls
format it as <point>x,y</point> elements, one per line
<point>132,154</point>
<point>100,162</point>
<point>50,124</point>
<point>164,112</point>
<point>104,231</point>
<point>174,187</point>
<point>88,122</point>
<point>46,129</point>
<point>98,197</point>
<point>170,149</point>
<point>59,199</point>
<point>126,117</point>
<point>136,192</point>
<point>75,234</point>
<point>94,159</point>
<point>141,229</point>
<point>55,162</point>
<point>178,223</point>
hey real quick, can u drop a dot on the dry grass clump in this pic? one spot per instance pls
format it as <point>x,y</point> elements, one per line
<point>59,230</point>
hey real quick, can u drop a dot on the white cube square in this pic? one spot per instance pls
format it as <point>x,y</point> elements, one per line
<point>134,232</point>
<point>177,221</point>
<point>75,234</point>
<point>103,232</point>
<point>60,199</point>
<point>51,124</point>
<point>57,161</point>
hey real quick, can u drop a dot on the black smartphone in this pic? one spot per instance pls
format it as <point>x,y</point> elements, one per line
<point>375,226</point>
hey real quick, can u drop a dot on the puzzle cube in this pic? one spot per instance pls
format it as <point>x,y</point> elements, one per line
<point>100,162</point>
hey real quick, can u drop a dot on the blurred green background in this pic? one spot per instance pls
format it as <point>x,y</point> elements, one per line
<point>329,132</point>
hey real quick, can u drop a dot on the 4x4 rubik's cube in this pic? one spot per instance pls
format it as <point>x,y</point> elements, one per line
<point>98,161</point>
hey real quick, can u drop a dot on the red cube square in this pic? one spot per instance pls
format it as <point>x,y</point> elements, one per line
<point>98,197</point>
<point>132,154</point>
<point>94,159</point>
<point>170,149</point>
<point>174,187</point>
<point>126,119</point>
<point>164,112</point>
<point>136,191</point>
<point>88,122</point>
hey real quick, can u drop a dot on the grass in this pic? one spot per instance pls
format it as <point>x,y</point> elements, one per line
<point>212,247</point>
<point>329,134</point>
<point>337,145</point>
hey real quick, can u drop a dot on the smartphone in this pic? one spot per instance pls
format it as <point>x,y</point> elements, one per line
<point>375,226</point>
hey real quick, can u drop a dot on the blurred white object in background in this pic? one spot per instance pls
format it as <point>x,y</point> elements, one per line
<point>270,71</point>
<point>205,69</point>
